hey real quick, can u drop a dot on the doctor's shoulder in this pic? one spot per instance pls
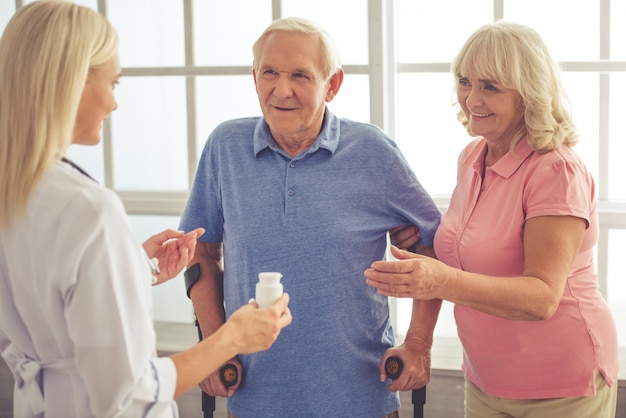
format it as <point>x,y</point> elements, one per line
<point>85,200</point>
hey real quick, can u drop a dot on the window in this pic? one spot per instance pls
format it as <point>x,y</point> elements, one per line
<point>187,67</point>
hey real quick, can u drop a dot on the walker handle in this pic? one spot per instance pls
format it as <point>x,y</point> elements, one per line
<point>393,370</point>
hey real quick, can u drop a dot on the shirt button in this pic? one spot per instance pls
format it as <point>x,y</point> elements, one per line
<point>290,192</point>
<point>292,164</point>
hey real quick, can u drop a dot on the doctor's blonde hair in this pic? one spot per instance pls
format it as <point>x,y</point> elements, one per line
<point>46,53</point>
<point>516,57</point>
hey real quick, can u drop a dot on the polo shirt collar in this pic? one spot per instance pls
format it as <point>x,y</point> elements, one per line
<point>507,165</point>
<point>328,138</point>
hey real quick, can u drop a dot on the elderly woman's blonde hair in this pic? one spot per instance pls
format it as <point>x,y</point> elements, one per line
<point>516,57</point>
<point>332,57</point>
<point>46,52</point>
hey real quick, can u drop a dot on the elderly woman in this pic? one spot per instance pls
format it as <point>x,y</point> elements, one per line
<point>515,247</point>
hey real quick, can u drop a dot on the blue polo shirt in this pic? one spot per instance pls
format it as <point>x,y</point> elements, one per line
<point>320,219</point>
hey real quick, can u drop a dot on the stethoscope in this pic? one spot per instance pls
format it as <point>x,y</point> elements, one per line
<point>153,262</point>
<point>77,168</point>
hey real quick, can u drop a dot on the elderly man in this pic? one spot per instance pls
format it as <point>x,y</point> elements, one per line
<point>312,196</point>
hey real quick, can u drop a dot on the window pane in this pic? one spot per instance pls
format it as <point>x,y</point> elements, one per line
<point>218,38</point>
<point>150,134</point>
<point>616,283</point>
<point>429,134</point>
<point>618,30</point>
<point>353,99</point>
<point>170,302</point>
<point>429,32</point>
<point>7,10</point>
<point>446,325</point>
<point>583,91</point>
<point>221,98</point>
<point>151,32</point>
<point>352,38</point>
<point>617,144</point>
<point>574,38</point>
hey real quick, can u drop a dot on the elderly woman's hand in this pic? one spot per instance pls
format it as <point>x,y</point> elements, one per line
<point>411,276</point>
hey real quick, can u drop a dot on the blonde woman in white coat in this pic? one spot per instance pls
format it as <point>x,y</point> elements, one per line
<point>75,299</point>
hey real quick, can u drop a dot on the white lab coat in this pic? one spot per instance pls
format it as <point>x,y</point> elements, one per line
<point>76,307</point>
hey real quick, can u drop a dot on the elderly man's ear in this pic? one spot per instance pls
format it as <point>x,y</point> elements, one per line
<point>334,84</point>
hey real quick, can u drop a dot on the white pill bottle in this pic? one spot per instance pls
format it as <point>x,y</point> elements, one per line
<point>268,289</point>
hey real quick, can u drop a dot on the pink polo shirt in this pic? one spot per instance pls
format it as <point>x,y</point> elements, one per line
<point>482,232</point>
